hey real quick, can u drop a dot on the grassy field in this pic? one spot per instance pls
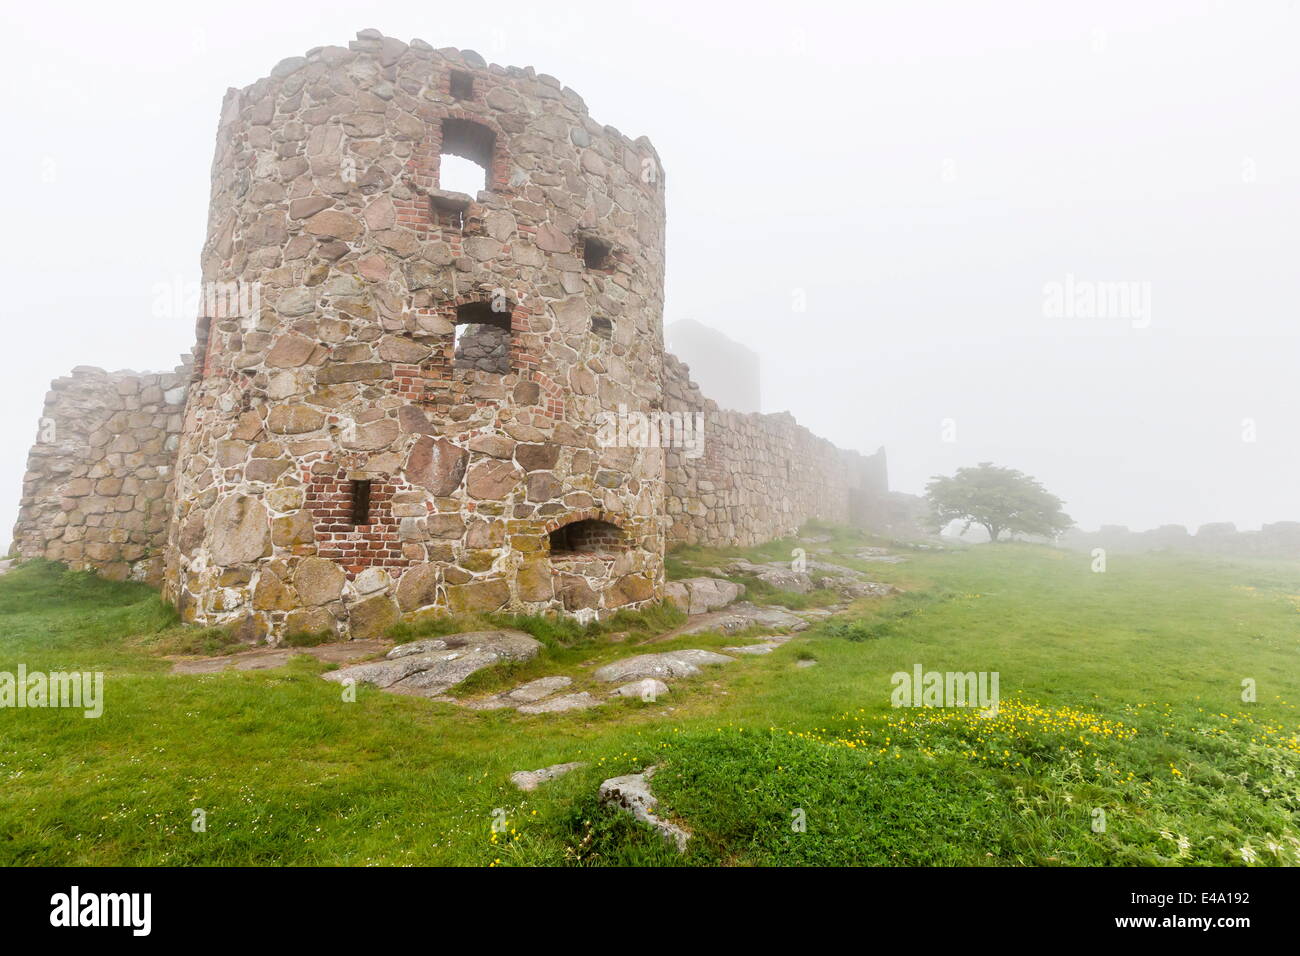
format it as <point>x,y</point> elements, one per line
<point>1122,737</point>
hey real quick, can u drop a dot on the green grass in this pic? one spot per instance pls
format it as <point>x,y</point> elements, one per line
<point>1121,697</point>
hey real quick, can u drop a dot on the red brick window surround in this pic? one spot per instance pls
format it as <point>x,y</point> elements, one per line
<point>354,547</point>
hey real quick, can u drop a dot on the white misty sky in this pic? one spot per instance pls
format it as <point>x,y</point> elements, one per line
<point>915,172</point>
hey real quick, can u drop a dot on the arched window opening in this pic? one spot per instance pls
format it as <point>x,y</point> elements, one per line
<point>587,537</point>
<point>482,338</point>
<point>465,163</point>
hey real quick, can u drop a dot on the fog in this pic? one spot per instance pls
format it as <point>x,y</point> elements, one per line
<point>904,208</point>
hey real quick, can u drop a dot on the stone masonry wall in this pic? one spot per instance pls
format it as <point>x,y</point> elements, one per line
<point>96,491</point>
<point>760,476</point>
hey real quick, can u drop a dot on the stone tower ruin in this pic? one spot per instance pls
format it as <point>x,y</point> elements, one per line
<point>406,420</point>
<point>395,400</point>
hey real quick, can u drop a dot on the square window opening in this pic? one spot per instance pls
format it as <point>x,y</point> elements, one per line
<point>465,157</point>
<point>462,85</point>
<point>597,254</point>
<point>482,338</point>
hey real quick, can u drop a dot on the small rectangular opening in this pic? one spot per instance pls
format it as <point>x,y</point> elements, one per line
<point>596,253</point>
<point>482,337</point>
<point>453,219</point>
<point>361,502</point>
<point>462,85</point>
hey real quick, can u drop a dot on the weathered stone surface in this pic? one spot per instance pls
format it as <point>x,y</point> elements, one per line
<point>632,793</point>
<point>753,649</point>
<point>418,587</point>
<point>709,594</point>
<point>424,669</point>
<point>372,617</point>
<point>527,780</point>
<point>558,705</point>
<point>319,581</point>
<point>339,225</point>
<point>241,530</point>
<point>779,576</point>
<point>535,690</point>
<point>437,464</point>
<point>668,665</point>
<point>489,595</point>
<point>294,419</point>
<point>492,480</point>
<point>647,689</point>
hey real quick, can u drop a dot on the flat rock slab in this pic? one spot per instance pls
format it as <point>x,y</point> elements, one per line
<point>880,556</point>
<point>754,648</point>
<point>632,795</point>
<point>429,668</point>
<point>268,657</point>
<point>532,779</point>
<point>513,645</point>
<point>735,619</point>
<point>535,690</point>
<point>805,663</point>
<point>668,665</point>
<point>528,693</point>
<point>778,574</point>
<point>648,689</point>
<point>558,705</point>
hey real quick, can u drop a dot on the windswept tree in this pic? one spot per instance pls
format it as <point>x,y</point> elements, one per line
<point>999,499</point>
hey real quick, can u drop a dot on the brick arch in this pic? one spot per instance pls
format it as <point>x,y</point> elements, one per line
<point>605,543</point>
<point>521,363</point>
<point>588,514</point>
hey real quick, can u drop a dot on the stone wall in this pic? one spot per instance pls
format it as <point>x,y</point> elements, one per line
<point>759,477</point>
<point>96,492</point>
<point>1280,539</point>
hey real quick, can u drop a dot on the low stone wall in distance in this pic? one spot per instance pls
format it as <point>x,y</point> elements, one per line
<point>96,493</point>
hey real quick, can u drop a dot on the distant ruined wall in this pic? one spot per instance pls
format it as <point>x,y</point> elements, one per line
<point>760,476</point>
<point>1280,539</point>
<point>97,489</point>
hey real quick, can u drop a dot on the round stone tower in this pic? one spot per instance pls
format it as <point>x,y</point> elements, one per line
<point>399,389</point>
